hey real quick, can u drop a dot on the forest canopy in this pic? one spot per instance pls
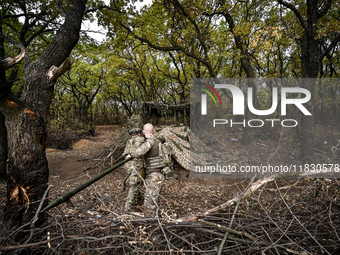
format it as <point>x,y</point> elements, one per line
<point>151,54</point>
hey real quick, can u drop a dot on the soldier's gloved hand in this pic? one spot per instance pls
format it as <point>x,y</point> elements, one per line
<point>127,156</point>
<point>161,139</point>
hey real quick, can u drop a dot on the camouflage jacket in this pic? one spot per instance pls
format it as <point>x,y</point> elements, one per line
<point>132,145</point>
<point>143,148</point>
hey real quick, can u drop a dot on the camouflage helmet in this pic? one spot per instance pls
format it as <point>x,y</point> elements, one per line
<point>133,123</point>
<point>135,131</point>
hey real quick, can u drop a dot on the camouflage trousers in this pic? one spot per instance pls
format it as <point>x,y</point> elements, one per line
<point>134,192</point>
<point>154,182</point>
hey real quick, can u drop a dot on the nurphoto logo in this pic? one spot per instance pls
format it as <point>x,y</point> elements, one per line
<point>242,127</point>
<point>238,108</point>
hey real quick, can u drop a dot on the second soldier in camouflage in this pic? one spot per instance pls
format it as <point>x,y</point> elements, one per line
<point>133,168</point>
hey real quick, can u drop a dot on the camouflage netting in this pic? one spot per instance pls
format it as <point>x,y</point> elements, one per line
<point>188,150</point>
<point>177,138</point>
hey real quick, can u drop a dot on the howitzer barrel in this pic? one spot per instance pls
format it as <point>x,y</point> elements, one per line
<point>66,197</point>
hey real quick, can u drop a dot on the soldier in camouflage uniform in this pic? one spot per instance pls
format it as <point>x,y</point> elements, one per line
<point>154,165</point>
<point>133,168</point>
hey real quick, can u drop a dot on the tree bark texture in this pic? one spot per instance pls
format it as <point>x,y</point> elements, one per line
<point>25,121</point>
<point>310,59</point>
<point>3,147</point>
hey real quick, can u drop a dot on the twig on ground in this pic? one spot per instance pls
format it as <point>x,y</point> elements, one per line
<point>233,217</point>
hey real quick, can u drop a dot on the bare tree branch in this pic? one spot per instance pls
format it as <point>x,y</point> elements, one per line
<point>55,72</point>
<point>296,12</point>
<point>325,8</point>
<point>331,46</point>
<point>9,61</point>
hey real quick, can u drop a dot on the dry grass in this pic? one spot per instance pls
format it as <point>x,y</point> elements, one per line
<point>282,217</point>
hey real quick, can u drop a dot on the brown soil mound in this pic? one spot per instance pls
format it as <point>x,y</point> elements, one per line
<point>83,144</point>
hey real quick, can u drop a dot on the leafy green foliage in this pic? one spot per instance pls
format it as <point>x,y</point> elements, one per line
<point>151,53</point>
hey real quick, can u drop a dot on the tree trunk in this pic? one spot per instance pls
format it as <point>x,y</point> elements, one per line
<point>310,58</point>
<point>3,147</point>
<point>307,126</point>
<point>27,167</point>
<point>26,124</point>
